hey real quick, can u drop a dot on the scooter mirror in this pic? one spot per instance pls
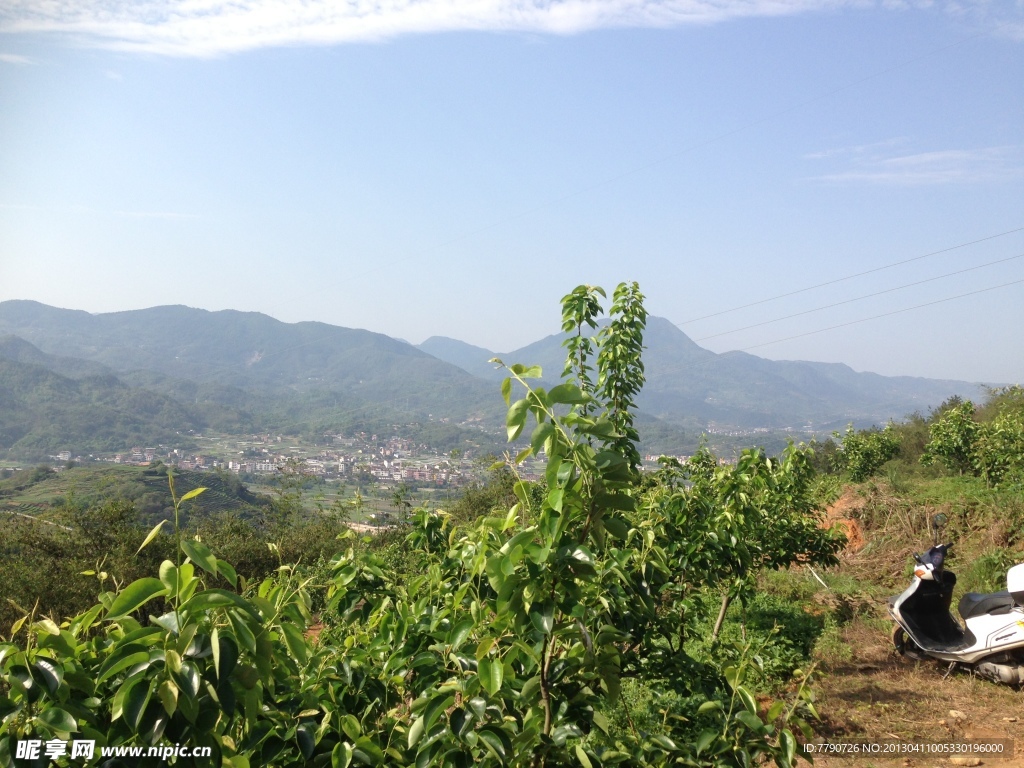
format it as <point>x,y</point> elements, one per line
<point>937,522</point>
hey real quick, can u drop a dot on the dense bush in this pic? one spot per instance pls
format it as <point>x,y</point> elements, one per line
<point>988,442</point>
<point>863,453</point>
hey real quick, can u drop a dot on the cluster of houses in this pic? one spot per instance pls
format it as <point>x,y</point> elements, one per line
<point>364,457</point>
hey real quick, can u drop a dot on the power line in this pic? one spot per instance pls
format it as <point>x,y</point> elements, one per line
<point>859,298</point>
<point>850,277</point>
<point>885,314</point>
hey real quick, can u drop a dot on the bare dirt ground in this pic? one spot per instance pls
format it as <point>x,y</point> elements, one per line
<point>876,695</point>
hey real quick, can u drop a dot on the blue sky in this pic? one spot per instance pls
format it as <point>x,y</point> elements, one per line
<point>422,168</point>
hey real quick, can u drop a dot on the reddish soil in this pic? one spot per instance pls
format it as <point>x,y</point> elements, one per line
<point>840,512</point>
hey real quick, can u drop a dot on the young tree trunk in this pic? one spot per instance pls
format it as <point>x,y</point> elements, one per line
<point>721,617</point>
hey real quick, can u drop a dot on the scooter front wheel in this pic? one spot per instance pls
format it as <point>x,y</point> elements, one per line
<point>899,639</point>
<point>905,646</point>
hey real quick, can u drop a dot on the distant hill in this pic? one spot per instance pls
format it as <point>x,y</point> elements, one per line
<point>469,358</point>
<point>693,387</point>
<point>42,412</point>
<point>36,491</point>
<point>256,354</point>
<point>18,350</point>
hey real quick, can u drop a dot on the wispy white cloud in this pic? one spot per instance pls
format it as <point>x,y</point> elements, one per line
<point>856,150</point>
<point>13,58</point>
<point>213,27</point>
<point>950,166</point>
<point>1002,18</point>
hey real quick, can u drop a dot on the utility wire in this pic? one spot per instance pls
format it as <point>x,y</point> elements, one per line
<point>885,314</point>
<point>850,277</point>
<point>859,298</point>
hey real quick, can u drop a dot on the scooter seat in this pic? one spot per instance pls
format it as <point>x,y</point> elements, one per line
<point>978,604</point>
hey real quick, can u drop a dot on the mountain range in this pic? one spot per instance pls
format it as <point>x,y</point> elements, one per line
<point>195,369</point>
<point>694,387</point>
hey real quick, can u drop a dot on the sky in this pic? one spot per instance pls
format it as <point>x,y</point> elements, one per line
<point>421,168</point>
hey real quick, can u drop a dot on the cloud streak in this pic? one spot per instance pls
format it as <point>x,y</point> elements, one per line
<point>950,166</point>
<point>217,27</point>
<point>13,58</point>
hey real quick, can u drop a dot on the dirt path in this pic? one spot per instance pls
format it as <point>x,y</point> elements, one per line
<point>878,696</point>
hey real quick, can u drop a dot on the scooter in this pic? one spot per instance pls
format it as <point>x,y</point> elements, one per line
<point>990,645</point>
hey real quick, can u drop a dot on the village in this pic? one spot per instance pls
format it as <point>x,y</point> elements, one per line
<point>361,458</point>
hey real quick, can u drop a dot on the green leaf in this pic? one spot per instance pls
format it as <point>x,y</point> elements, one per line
<point>134,596</point>
<point>533,372</point>
<point>497,741</point>
<point>52,674</point>
<point>530,690</point>
<point>367,751</point>
<point>168,694</point>
<point>351,727</point>
<point>581,755</point>
<point>567,394</point>
<point>484,647</point>
<point>244,634</point>
<point>438,703</point>
<point>748,700</point>
<point>200,554</point>
<point>225,656</point>
<point>296,642</point>
<point>218,598</point>
<point>542,615</point>
<point>135,702</point>
<point>46,627</point>
<point>709,706</point>
<point>788,744</point>
<point>616,527</point>
<point>460,632</point>
<point>306,736</point>
<point>341,755</point>
<point>58,720</point>
<point>704,740</point>
<point>540,435</point>
<point>490,672</point>
<point>226,570</point>
<point>555,497</point>
<point>506,390</point>
<point>415,732</point>
<point>151,535</point>
<point>753,722</point>
<point>191,494</point>
<point>515,419</point>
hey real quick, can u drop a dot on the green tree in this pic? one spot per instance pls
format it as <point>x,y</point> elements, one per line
<point>953,439</point>
<point>863,452</point>
<point>1000,448</point>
